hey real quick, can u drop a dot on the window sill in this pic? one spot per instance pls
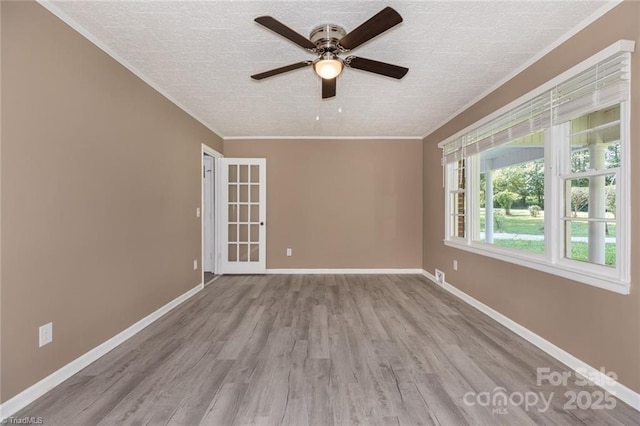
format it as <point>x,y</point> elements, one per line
<point>537,263</point>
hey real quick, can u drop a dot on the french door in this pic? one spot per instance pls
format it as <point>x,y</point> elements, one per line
<point>243,215</point>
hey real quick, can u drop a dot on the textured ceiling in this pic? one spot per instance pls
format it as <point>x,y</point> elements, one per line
<point>201,55</point>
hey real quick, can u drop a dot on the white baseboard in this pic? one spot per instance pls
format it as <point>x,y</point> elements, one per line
<point>580,367</point>
<point>345,271</point>
<point>34,392</point>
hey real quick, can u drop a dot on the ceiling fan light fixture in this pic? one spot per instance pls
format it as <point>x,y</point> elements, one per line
<point>328,67</point>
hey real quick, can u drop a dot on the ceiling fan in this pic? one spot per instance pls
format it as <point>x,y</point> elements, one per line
<point>329,41</point>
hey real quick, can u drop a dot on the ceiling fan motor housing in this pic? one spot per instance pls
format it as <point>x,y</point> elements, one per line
<point>326,37</point>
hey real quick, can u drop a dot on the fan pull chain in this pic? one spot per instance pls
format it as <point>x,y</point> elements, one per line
<point>318,87</point>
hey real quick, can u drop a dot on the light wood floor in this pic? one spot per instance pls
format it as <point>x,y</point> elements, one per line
<point>318,350</point>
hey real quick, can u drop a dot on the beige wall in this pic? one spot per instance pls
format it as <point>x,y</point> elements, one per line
<point>100,182</point>
<point>341,203</point>
<point>597,326</point>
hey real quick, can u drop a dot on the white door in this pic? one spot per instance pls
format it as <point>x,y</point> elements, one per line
<point>207,213</point>
<point>243,215</point>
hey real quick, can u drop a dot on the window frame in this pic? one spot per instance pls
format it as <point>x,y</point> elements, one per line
<point>553,261</point>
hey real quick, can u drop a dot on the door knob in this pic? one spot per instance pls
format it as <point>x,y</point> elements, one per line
<point>261,223</point>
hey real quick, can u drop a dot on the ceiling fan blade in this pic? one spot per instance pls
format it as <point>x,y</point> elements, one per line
<point>286,32</point>
<point>328,87</point>
<point>379,23</point>
<point>281,70</point>
<point>377,67</point>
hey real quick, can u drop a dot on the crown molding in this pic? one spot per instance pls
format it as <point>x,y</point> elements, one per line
<point>355,138</point>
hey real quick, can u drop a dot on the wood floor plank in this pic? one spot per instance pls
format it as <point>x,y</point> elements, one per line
<point>318,333</point>
<point>241,335</point>
<point>196,388</point>
<point>295,411</point>
<point>316,391</point>
<point>319,350</point>
<point>223,408</point>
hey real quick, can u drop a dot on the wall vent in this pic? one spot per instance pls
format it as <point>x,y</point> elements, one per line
<point>439,277</point>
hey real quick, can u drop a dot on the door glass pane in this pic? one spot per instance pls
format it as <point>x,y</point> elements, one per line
<point>244,173</point>
<point>233,213</point>
<point>243,256</point>
<point>244,193</point>
<point>593,242</point>
<point>233,232</point>
<point>255,232</point>
<point>233,252</point>
<point>233,193</point>
<point>255,213</point>
<point>244,213</point>
<point>255,193</point>
<point>244,233</point>
<point>254,257</point>
<point>255,174</point>
<point>233,173</point>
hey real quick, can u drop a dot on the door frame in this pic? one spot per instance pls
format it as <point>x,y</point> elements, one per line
<point>217,248</point>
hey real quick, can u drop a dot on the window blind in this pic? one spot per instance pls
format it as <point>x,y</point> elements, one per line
<point>599,86</point>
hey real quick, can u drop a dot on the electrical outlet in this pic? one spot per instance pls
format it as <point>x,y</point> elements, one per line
<point>439,277</point>
<point>289,252</point>
<point>455,265</point>
<point>195,264</point>
<point>45,334</point>
<point>197,211</point>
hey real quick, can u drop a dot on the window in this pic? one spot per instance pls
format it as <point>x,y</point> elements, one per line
<point>589,175</point>
<point>457,200</point>
<point>544,183</point>
<point>511,188</point>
